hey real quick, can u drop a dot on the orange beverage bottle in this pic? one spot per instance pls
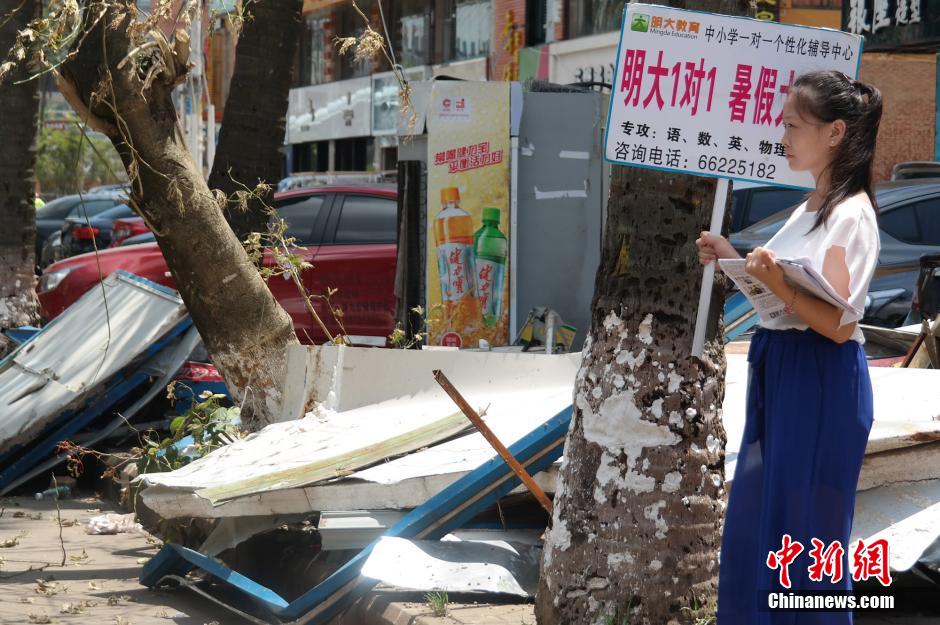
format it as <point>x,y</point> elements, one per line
<point>453,234</point>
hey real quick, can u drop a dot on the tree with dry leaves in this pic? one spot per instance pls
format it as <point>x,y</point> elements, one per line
<point>19,101</point>
<point>118,72</point>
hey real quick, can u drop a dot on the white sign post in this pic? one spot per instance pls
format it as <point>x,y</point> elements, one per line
<point>701,93</point>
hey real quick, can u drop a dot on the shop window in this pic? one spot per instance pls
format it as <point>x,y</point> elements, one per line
<point>593,17</point>
<point>536,14</point>
<point>415,33</point>
<point>351,24</point>
<point>474,29</point>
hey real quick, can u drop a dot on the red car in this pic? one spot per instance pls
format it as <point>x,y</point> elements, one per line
<point>349,234</point>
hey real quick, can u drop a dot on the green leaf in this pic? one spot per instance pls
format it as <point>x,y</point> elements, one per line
<point>176,424</point>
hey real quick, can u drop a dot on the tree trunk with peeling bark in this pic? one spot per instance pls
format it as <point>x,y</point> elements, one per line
<point>249,149</point>
<point>244,329</point>
<point>20,106</point>
<point>639,508</point>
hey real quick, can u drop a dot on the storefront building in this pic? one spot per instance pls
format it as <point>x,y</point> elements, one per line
<point>902,38</point>
<point>341,111</point>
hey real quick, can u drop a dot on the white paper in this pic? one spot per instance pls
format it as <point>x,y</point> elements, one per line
<point>797,271</point>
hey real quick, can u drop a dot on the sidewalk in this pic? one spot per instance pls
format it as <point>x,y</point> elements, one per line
<point>401,608</point>
<point>98,583</point>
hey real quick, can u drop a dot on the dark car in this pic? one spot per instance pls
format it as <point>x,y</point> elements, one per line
<point>909,224</point>
<point>752,202</point>
<point>81,234</point>
<point>50,216</point>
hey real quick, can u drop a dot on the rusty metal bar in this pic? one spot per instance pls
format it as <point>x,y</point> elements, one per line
<point>488,434</point>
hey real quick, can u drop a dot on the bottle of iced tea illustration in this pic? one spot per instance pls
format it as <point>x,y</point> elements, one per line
<point>490,250</point>
<point>453,233</point>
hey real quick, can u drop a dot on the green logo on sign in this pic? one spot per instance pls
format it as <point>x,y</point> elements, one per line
<point>641,23</point>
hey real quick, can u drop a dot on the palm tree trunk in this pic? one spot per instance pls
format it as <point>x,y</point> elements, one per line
<point>20,106</point>
<point>638,511</point>
<point>244,329</point>
<point>249,151</point>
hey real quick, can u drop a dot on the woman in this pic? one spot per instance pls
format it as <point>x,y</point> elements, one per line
<point>809,404</point>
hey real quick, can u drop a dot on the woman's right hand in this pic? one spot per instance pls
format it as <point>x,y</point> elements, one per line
<point>713,247</point>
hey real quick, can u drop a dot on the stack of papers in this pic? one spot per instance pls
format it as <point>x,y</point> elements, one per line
<point>799,272</point>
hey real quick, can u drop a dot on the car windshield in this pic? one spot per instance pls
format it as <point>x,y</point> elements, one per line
<point>121,210</point>
<point>91,208</point>
<point>51,208</point>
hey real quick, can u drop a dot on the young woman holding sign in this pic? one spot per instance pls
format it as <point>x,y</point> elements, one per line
<point>809,399</point>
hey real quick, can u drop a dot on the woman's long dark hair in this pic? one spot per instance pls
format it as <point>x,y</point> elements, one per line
<point>830,95</point>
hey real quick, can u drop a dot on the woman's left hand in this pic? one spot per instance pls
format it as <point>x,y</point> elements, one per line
<point>762,264</point>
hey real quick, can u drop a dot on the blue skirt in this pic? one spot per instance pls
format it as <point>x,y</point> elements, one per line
<point>809,412</point>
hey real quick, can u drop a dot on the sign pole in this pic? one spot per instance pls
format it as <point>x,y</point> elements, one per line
<point>708,279</point>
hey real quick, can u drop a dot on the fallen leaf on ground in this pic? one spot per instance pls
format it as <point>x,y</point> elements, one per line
<point>68,522</point>
<point>49,588</point>
<point>11,542</point>
<point>27,600</point>
<point>114,600</point>
<point>35,516</point>
<point>93,586</point>
<point>77,608</point>
<point>39,618</point>
<point>120,620</point>
<point>79,559</point>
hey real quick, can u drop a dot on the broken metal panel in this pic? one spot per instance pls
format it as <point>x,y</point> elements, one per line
<point>348,455</point>
<point>907,514</point>
<point>346,494</point>
<point>446,511</point>
<point>919,462</point>
<point>164,364</point>
<point>228,533</point>
<point>897,425</point>
<point>79,351</point>
<point>354,529</point>
<point>455,566</point>
<point>494,382</point>
<point>513,409</point>
<point>342,378</point>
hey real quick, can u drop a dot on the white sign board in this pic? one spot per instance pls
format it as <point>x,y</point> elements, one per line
<point>701,93</point>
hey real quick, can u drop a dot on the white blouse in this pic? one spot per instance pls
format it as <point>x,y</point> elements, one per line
<point>853,226</point>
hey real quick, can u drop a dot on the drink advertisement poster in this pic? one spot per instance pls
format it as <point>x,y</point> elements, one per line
<point>702,93</point>
<point>468,213</point>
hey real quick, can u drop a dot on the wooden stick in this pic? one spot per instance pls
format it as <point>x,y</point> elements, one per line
<point>487,433</point>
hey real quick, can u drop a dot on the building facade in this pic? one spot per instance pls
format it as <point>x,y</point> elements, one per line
<point>902,39</point>
<point>342,113</point>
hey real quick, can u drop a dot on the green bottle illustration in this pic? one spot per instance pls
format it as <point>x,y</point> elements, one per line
<point>490,249</point>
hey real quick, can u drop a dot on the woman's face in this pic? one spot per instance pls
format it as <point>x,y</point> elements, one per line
<point>808,142</point>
